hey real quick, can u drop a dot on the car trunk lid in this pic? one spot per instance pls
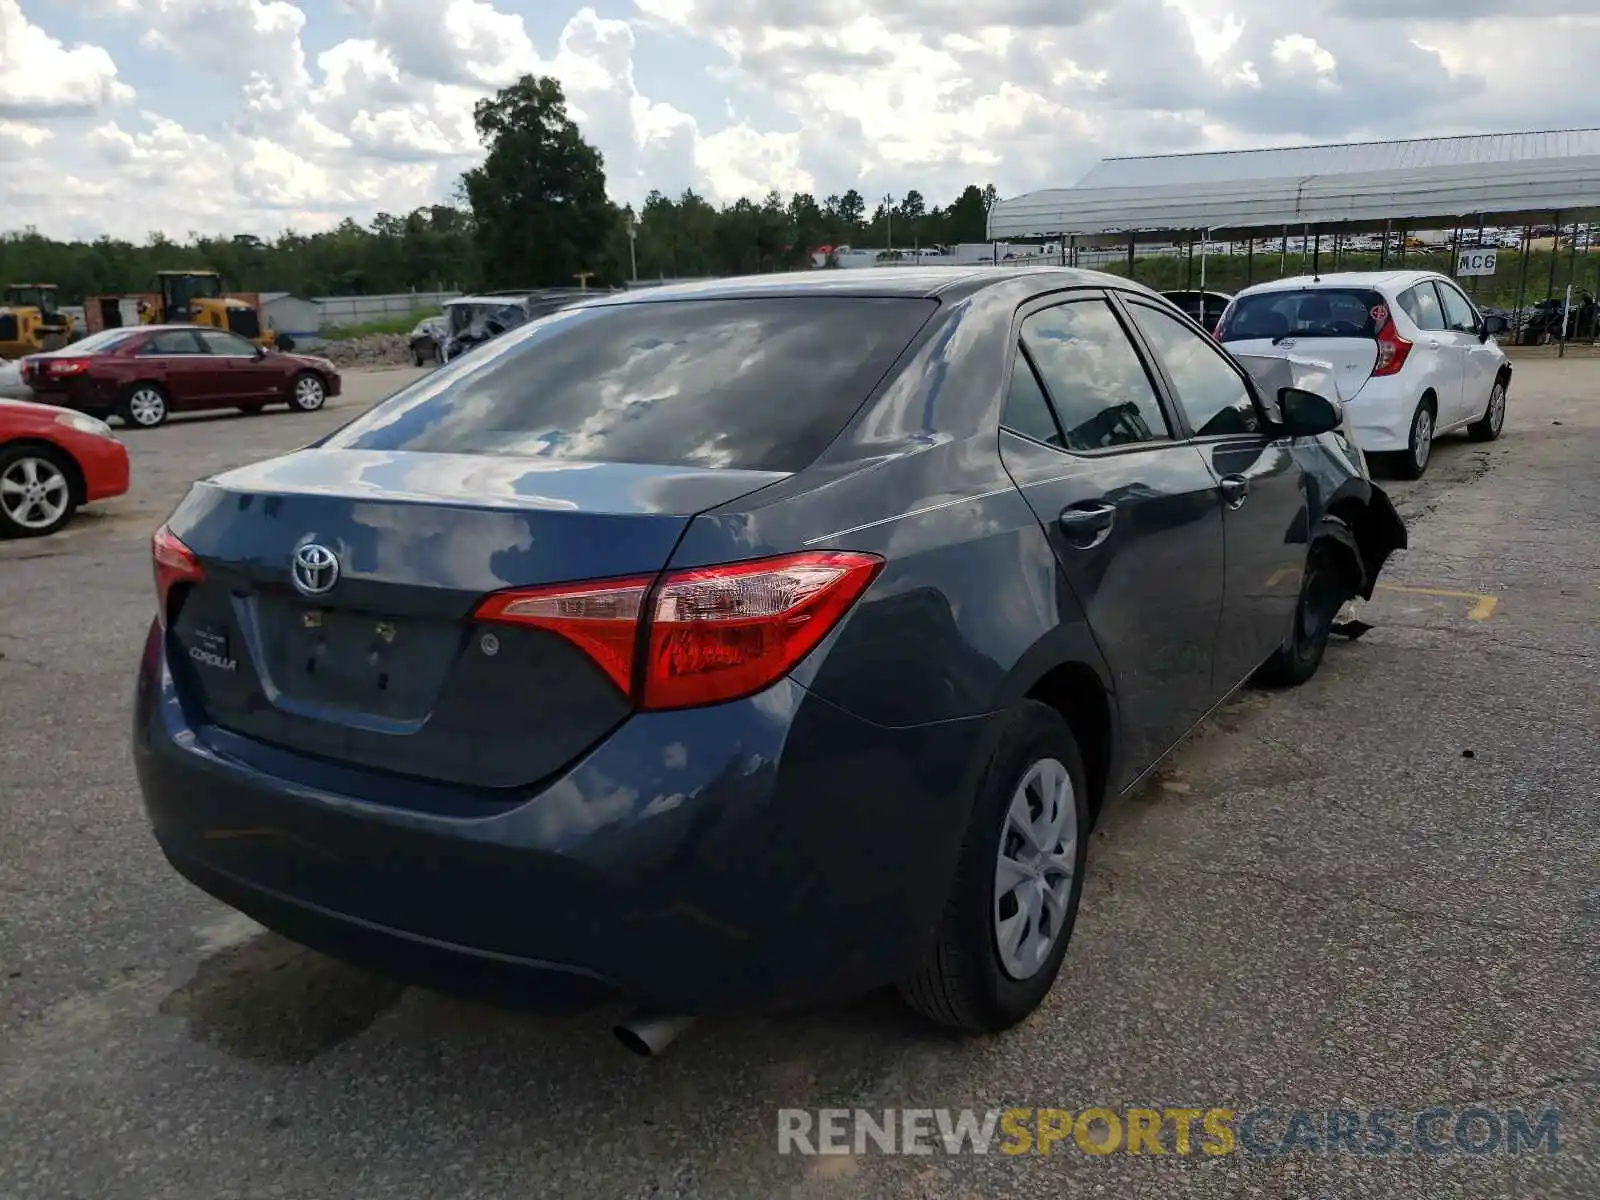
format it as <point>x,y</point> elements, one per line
<point>372,656</point>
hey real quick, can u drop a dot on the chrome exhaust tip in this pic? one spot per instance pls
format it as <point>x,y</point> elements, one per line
<point>648,1035</point>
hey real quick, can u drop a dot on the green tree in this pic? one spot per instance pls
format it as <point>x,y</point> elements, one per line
<point>539,200</point>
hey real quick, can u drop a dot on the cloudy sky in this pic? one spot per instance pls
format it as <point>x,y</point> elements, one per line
<point>125,116</point>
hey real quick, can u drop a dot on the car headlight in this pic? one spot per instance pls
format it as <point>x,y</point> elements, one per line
<point>85,424</point>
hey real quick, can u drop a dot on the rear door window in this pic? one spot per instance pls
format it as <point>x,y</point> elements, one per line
<point>1095,378</point>
<point>1421,304</point>
<point>754,384</point>
<point>173,341</point>
<point>1307,313</point>
<point>1027,410</point>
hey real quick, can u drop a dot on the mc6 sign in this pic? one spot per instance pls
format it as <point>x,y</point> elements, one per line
<point>1476,262</point>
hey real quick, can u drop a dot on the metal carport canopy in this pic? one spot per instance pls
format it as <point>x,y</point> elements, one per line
<point>1529,191</point>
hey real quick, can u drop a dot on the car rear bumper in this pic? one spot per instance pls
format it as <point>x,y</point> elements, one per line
<point>769,851</point>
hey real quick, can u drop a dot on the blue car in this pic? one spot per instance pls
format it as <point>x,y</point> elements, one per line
<point>739,644</point>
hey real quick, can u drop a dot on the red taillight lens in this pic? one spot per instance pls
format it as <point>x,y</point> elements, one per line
<point>174,563</point>
<point>602,619</point>
<point>60,368</point>
<point>723,632</point>
<point>1392,350</point>
<point>711,634</point>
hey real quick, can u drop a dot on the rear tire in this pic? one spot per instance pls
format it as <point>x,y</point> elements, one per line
<point>37,496</point>
<point>1011,909</point>
<point>307,393</point>
<point>144,406</point>
<point>1412,462</point>
<point>1488,427</point>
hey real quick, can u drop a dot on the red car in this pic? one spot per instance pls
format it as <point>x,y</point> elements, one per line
<point>146,373</point>
<point>51,462</point>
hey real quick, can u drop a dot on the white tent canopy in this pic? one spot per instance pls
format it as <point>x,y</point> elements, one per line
<point>1510,191</point>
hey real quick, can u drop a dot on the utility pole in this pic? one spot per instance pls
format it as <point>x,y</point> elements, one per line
<point>888,221</point>
<point>633,250</point>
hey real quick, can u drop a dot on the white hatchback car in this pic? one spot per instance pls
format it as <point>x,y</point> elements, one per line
<point>1413,357</point>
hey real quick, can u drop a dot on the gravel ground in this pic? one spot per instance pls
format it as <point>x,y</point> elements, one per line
<point>1379,891</point>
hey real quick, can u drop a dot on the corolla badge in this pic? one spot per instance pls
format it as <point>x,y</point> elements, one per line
<point>314,570</point>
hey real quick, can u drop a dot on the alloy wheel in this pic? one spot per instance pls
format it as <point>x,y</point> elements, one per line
<point>1422,438</point>
<point>308,393</point>
<point>1497,407</point>
<point>147,407</point>
<point>1035,869</point>
<point>34,493</point>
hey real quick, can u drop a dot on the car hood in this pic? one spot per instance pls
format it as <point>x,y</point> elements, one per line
<point>27,408</point>
<point>310,360</point>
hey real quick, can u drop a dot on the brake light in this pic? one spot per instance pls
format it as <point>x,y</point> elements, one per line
<point>59,368</point>
<point>601,619</point>
<point>174,563</point>
<point>1392,350</point>
<point>709,634</point>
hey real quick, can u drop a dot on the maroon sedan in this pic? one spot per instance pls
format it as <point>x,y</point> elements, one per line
<point>144,374</point>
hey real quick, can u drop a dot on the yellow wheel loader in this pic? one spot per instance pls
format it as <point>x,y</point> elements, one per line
<point>196,298</point>
<point>31,321</point>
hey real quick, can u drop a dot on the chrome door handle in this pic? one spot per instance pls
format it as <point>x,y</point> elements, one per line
<point>1235,490</point>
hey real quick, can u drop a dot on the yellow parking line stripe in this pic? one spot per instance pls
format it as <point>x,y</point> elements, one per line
<point>1482,607</point>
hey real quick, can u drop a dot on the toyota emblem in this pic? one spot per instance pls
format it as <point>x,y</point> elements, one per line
<point>315,569</point>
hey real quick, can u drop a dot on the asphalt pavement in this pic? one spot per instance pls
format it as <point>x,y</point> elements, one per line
<point>1378,892</point>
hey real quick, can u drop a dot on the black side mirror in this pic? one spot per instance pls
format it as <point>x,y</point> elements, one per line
<point>1306,414</point>
<point>1494,325</point>
<point>261,352</point>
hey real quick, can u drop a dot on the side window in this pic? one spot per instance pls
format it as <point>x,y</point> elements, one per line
<point>218,342</point>
<point>1458,311</point>
<point>1214,396</point>
<point>173,341</point>
<point>1094,377</point>
<point>1422,306</point>
<point>1027,410</point>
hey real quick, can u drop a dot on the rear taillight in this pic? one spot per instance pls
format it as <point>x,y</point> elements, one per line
<point>1392,350</point>
<point>710,634</point>
<point>60,368</point>
<point>601,619</point>
<point>174,563</point>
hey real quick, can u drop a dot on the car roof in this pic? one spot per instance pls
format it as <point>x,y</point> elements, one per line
<point>913,281</point>
<point>1343,279</point>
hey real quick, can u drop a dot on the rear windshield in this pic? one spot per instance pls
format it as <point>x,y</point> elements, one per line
<point>106,339</point>
<point>1312,312</point>
<point>759,384</point>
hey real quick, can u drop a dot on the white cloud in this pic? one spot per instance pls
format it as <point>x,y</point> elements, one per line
<point>819,95</point>
<point>40,77</point>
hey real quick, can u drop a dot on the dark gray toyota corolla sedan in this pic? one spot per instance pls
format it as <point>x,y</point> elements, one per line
<point>750,642</point>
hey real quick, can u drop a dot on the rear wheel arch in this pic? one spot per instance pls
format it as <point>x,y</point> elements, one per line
<point>1076,691</point>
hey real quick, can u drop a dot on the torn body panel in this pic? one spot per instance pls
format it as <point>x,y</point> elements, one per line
<point>1378,531</point>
